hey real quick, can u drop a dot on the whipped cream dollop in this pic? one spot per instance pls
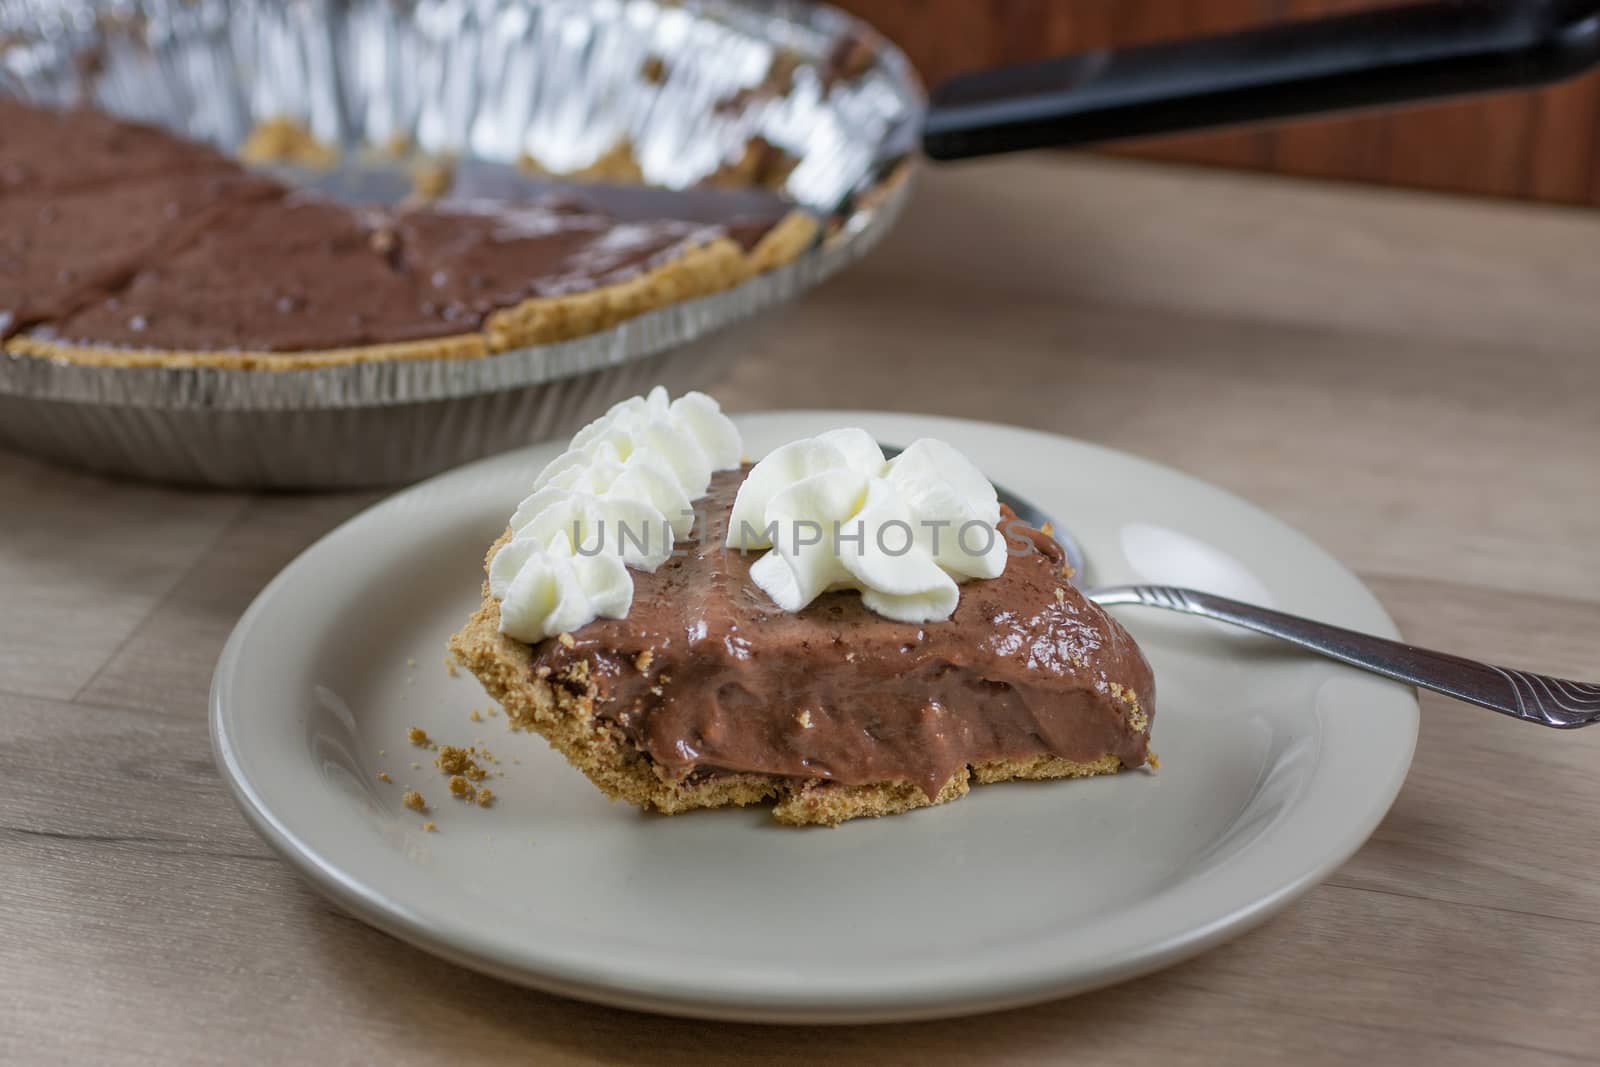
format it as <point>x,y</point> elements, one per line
<point>837,516</point>
<point>617,498</point>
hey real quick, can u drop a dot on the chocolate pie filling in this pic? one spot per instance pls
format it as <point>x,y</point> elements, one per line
<point>61,250</point>
<point>302,275</point>
<point>50,151</point>
<point>117,233</point>
<point>481,255</point>
<point>706,675</point>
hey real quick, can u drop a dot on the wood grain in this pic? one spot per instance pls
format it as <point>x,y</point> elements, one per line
<point>1542,145</point>
<point>1407,378</point>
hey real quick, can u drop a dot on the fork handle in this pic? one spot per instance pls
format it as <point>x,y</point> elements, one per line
<point>1539,698</point>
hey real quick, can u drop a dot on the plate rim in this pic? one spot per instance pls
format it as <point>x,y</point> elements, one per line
<point>610,986</point>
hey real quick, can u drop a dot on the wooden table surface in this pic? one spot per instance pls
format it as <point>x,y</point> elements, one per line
<point>1412,381</point>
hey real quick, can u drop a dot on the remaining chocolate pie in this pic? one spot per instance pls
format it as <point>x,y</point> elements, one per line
<point>704,688</point>
<point>123,244</point>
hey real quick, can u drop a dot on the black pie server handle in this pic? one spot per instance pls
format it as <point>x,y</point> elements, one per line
<point>1305,67</point>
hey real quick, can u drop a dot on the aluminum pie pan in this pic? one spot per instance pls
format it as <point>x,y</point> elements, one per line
<point>380,423</point>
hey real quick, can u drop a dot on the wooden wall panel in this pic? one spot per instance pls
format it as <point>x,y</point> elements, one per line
<point>1542,145</point>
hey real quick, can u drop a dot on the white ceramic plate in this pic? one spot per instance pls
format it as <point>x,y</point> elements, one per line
<point>1275,767</point>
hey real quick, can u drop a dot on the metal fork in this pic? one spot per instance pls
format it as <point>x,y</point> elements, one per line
<point>1558,702</point>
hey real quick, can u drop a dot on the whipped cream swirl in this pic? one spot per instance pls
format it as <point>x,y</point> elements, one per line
<point>619,497</point>
<point>837,516</point>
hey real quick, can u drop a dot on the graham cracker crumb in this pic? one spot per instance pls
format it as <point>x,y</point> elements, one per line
<point>566,640</point>
<point>804,718</point>
<point>485,797</point>
<point>413,800</point>
<point>759,163</point>
<point>450,667</point>
<point>1048,529</point>
<point>430,827</point>
<point>460,787</point>
<point>418,736</point>
<point>642,661</point>
<point>475,715</point>
<point>383,776</point>
<point>431,179</point>
<point>1136,714</point>
<point>617,165</point>
<point>284,140</point>
<point>395,146</point>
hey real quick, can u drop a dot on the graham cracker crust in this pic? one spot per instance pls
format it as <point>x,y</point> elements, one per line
<point>562,710</point>
<point>698,271</point>
<point>285,140</point>
<point>457,346</point>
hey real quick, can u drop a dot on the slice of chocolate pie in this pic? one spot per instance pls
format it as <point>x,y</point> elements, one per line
<point>834,633</point>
